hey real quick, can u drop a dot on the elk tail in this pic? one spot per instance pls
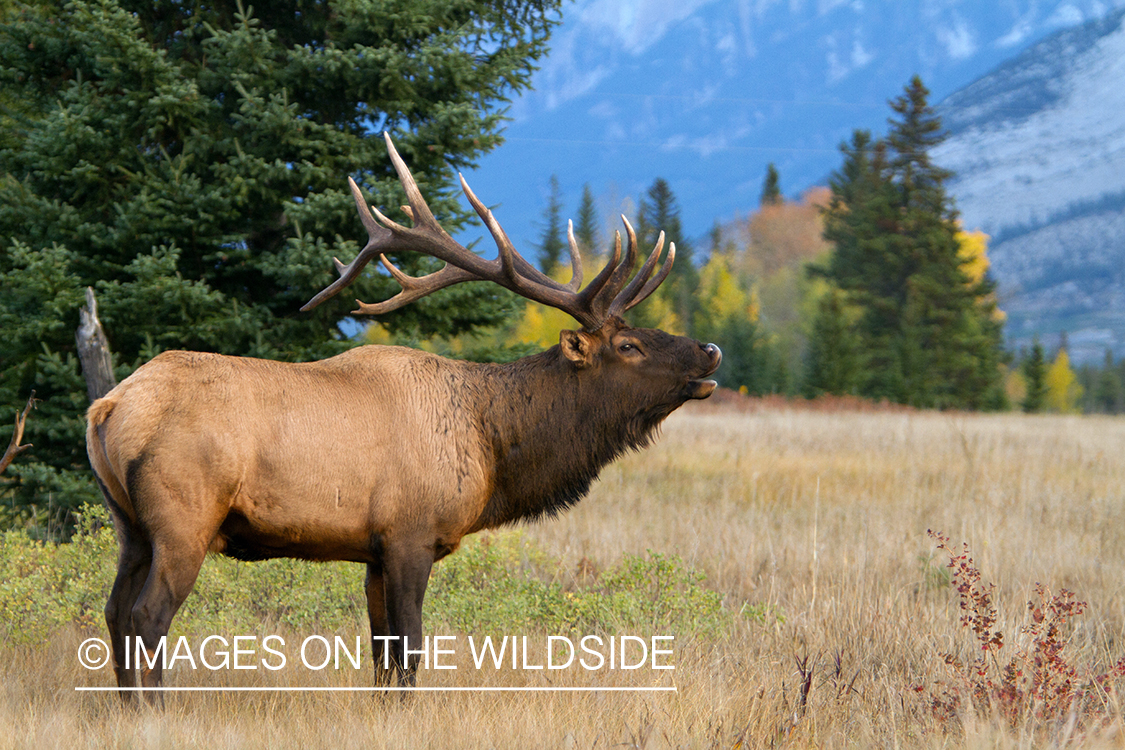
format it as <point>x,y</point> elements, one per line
<point>113,488</point>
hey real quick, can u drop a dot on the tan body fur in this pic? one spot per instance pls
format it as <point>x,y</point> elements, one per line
<point>313,459</point>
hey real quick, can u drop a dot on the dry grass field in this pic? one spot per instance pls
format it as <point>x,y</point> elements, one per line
<point>817,519</point>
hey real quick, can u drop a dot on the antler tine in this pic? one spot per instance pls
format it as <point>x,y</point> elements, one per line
<point>610,293</point>
<point>419,211</point>
<point>508,254</point>
<point>621,302</point>
<point>657,280</point>
<point>414,287</point>
<point>376,235</point>
<point>385,235</point>
<point>526,280</point>
<point>575,259</point>
<point>620,273</point>
<point>587,295</point>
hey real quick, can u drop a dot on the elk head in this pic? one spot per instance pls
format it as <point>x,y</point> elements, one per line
<point>604,339</point>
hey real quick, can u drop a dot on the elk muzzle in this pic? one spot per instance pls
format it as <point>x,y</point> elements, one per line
<point>698,389</point>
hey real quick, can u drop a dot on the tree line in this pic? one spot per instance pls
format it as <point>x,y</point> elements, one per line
<point>870,288</point>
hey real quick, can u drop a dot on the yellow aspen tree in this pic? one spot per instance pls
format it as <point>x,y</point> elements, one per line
<point>539,324</point>
<point>720,297</point>
<point>973,251</point>
<point>1063,388</point>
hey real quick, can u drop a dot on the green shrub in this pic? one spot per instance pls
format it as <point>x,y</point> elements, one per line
<point>497,583</point>
<point>45,585</point>
<point>502,583</point>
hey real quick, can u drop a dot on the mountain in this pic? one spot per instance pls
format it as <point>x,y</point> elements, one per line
<point>706,93</point>
<point>1038,147</point>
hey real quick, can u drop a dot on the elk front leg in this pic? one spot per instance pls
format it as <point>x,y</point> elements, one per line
<point>406,571</point>
<point>381,648</point>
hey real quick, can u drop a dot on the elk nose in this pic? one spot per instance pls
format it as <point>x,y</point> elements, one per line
<point>714,352</point>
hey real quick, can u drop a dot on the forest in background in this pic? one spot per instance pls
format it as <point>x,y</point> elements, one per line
<point>789,312</point>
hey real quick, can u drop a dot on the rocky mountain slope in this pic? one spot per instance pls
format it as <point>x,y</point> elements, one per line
<point>1038,146</point>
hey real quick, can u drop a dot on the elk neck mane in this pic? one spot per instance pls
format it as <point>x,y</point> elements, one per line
<point>552,428</point>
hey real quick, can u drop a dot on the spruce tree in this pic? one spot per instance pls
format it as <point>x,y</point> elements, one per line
<point>190,160</point>
<point>551,242</point>
<point>868,262</point>
<point>771,187</point>
<point>1035,374</point>
<point>715,238</point>
<point>586,228</point>
<point>832,363</point>
<point>659,212</point>
<point>1107,388</point>
<point>930,334</point>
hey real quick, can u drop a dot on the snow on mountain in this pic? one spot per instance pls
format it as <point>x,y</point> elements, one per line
<point>1038,146</point>
<point>1042,133</point>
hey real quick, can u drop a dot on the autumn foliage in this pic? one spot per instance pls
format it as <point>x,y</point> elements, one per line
<point>1039,687</point>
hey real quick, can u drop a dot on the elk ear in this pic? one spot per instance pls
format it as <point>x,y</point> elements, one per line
<point>578,347</point>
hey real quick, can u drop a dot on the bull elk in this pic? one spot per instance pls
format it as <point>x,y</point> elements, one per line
<point>382,455</point>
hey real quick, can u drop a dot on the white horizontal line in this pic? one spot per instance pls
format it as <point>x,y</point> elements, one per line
<point>377,689</point>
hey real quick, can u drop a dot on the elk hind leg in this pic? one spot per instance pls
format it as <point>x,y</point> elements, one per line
<point>375,588</point>
<point>175,566</point>
<point>133,562</point>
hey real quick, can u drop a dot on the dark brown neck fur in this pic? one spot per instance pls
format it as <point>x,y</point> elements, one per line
<point>552,430</point>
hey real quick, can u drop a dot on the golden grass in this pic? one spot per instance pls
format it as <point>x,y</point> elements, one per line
<point>820,516</point>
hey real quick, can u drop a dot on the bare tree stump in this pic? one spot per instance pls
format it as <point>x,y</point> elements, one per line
<point>93,350</point>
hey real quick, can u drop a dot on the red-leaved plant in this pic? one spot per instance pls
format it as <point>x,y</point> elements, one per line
<point>1037,684</point>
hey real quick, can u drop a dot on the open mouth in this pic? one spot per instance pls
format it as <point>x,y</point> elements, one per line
<point>700,388</point>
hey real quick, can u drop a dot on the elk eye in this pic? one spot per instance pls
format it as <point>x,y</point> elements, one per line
<point>626,348</point>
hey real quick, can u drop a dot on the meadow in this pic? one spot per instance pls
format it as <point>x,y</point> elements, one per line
<point>786,549</point>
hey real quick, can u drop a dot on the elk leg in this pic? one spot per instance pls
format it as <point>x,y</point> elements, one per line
<point>175,566</point>
<point>406,573</point>
<point>133,563</point>
<point>377,616</point>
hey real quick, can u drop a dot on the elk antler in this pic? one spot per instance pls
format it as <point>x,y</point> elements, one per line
<point>14,447</point>
<point>606,296</point>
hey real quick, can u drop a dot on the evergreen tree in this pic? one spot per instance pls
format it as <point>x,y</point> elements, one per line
<point>930,333</point>
<point>586,228</point>
<point>715,238</point>
<point>551,243</point>
<point>832,363</point>
<point>771,187</point>
<point>868,261</point>
<point>659,212</point>
<point>726,316</point>
<point>745,356</point>
<point>1107,387</point>
<point>1035,375</point>
<point>189,161</point>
